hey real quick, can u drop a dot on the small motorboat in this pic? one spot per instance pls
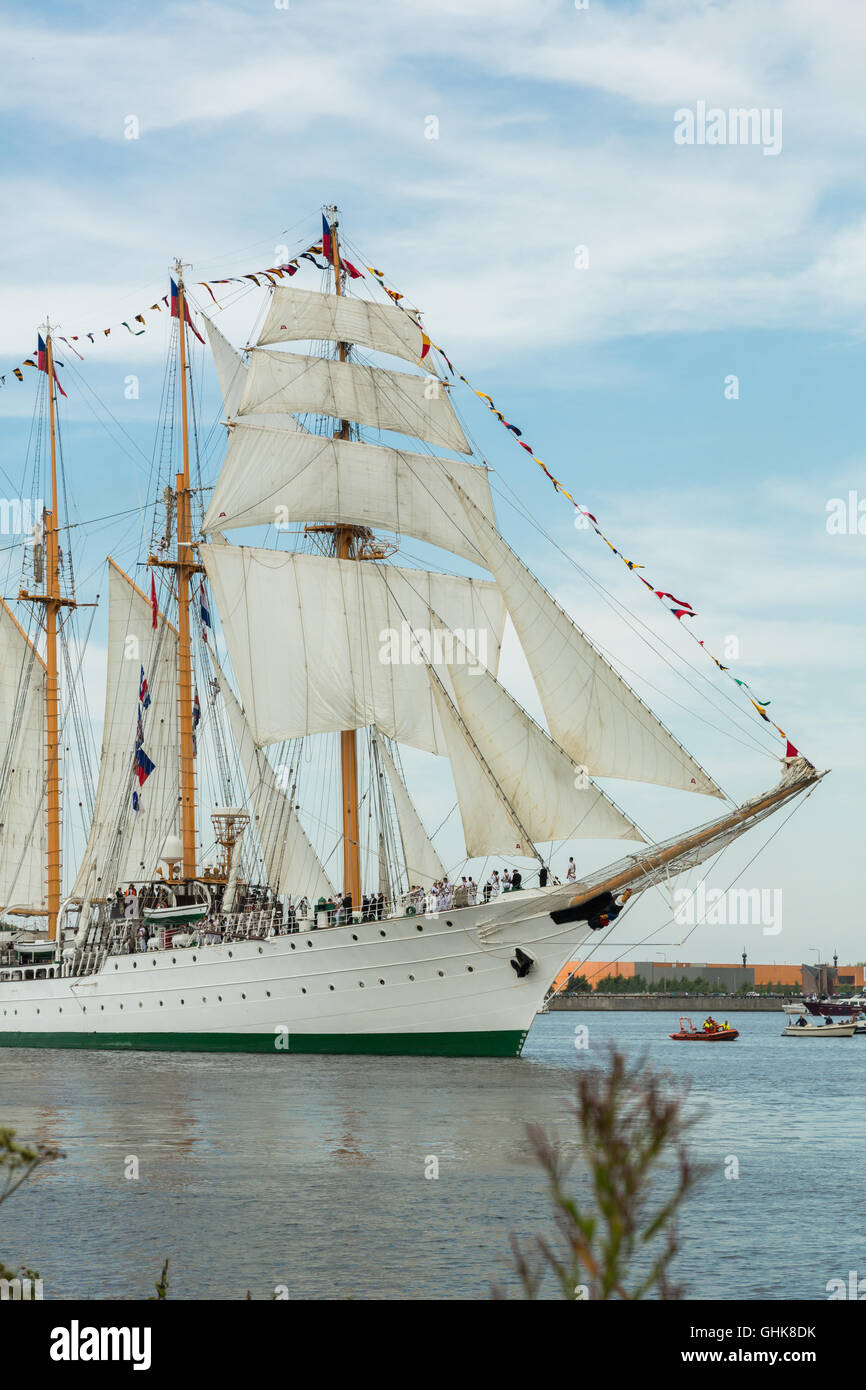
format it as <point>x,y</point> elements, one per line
<point>799,1024</point>
<point>802,1029</point>
<point>717,1033</point>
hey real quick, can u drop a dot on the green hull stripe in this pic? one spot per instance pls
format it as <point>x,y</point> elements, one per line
<point>504,1044</point>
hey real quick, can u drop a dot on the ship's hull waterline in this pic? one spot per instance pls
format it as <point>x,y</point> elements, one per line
<point>422,986</point>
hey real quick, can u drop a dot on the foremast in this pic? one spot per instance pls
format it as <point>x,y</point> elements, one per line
<point>52,602</point>
<point>185,568</point>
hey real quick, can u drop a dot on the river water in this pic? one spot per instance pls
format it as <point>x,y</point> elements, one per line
<point>307,1174</point>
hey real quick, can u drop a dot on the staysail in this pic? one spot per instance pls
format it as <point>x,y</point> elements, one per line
<point>23,849</point>
<point>592,713</point>
<point>292,865</point>
<point>423,865</point>
<point>552,798</point>
<point>125,845</point>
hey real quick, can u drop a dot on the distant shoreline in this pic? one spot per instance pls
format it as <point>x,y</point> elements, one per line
<point>654,1003</point>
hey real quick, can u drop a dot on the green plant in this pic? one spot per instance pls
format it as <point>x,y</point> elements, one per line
<point>17,1163</point>
<point>621,1242</point>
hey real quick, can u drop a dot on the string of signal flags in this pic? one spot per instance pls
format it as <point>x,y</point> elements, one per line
<point>322,255</point>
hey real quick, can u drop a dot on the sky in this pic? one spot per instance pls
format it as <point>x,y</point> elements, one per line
<point>513,169</point>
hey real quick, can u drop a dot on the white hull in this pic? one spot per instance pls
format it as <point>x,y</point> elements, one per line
<point>433,984</point>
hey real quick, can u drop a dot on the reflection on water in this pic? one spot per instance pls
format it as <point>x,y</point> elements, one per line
<point>310,1171</point>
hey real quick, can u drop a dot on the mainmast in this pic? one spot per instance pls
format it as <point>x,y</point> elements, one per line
<point>345,549</point>
<point>52,602</point>
<point>185,568</point>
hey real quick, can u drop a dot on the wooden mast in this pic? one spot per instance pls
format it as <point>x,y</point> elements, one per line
<point>343,542</point>
<point>185,568</point>
<point>53,602</point>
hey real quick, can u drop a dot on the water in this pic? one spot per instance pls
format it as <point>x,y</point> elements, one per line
<point>308,1172</point>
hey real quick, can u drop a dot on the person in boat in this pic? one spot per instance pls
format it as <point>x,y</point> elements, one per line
<point>495,885</point>
<point>488,889</point>
<point>506,880</point>
<point>571,874</point>
<point>542,876</point>
<point>461,894</point>
<point>827,1020</point>
<point>473,892</point>
<point>516,880</point>
<point>142,937</point>
<point>710,1025</point>
<point>801,1022</point>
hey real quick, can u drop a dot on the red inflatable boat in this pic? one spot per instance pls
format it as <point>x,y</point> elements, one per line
<point>689,1033</point>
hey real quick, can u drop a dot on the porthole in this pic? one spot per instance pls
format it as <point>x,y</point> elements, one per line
<point>231,953</point>
<point>174,960</point>
<point>219,999</point>
<point>412,977</point>
<point>37,1010</point>
<point>381,933</point>
<point>121,1006</point>
<point>354,937</point>
<point>381,982</point>
<point>449,924</point>
<point>303,991</point>
<point>204,999</point>
<point>470,968</point>
<point>140,1004</point>
<point>309,943</point>
<point>261,950</point>
<point>292,945</point>
<point>243,996</point>
<point>153,962</point>
<point>360,984</point>
<point>195,957</point>
<point>115,965</point>
<point>135,965</point>
<point>440,972</point>
<point>183,1001</point>
<point>330,986</point>
<point>419,926</point>
<point>160,1003</point>
<point>268,993</point>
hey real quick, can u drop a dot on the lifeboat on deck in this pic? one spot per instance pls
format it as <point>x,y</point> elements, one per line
<point>689,1033</point>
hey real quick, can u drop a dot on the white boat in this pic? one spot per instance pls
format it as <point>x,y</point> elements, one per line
<point>327,651</point>
<point>799,1025</point>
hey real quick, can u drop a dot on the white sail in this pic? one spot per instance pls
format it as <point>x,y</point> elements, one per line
<point>423,864</point>
<point>552,798</point>
<point>23,848</point>
<point>123,845</point>
<point>230,367</point>
<point>270,477</point>
<point>591,711</point>
<point>291,863</point>
<point>295,315</point>
<point>490,826</point>
<point>319,644</point>
<point>278,382</point>
<point>231,373</point>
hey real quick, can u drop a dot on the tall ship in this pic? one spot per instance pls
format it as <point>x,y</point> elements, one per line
<point>251,871</point>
